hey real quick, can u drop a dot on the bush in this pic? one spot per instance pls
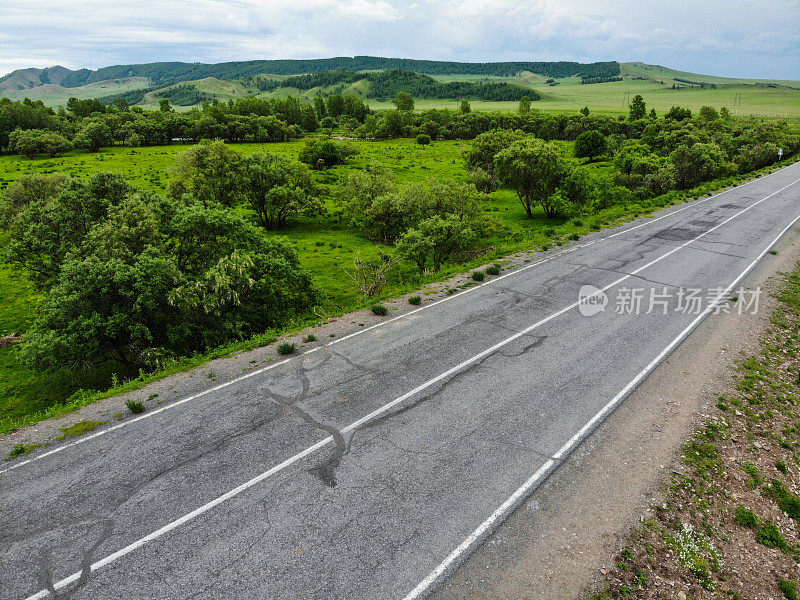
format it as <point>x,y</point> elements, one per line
<point>789,588</point>
<point>415,300</point>
<point>771,537</point>
<point>325,154</point>
<point>590,144</point>
<point>310,338</point>
<point>574,237</point>
<point>287,348</point>
<point>135,406</point>
<point>493,270</point>
<point>745,517</point>
<point>379,309</point>
<point>478,275</point>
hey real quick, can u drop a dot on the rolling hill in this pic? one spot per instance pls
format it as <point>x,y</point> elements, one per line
<point>559,86</point>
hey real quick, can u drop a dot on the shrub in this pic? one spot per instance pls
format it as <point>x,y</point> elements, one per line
<point>325,154</point>
<point>789,503</point>
<point>135,406</point>
<point>493,270</point>
<point>574,237</point>
<point>771,537</point>
<point>415,300</point>
<point>287,348</point>
<point>478,275</point>
<point>745,517</point>
<point>789,588</point>
<point>379,309</point>
<point>781,466</point>
<point>309,338</point>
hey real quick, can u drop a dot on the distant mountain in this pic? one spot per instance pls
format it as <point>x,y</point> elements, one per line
<point>174,72</point>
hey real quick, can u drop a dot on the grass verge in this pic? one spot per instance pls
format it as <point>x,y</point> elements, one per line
<point>728,524</point>
<point>27,397</point>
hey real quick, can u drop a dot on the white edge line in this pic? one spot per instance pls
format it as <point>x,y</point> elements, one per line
<point>518,494</point>
<point>235,380</point>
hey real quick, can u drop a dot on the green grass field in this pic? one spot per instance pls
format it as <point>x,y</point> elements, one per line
<point>326,246</point>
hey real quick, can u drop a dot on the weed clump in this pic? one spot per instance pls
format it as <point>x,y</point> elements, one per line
<point>20,449</point>
<point>493,270</point>
<point>789,588</point>
<point>310,338</point>
<point>379,310</point>
<point>745,517</point>
<point>286,348</point>
<point>415,300</point>
<point>478,275</point>
<point>755,476</point>
<point>135,406</point>
<point>771,537</point>
<point>789,503</point>
<point>79,428</point>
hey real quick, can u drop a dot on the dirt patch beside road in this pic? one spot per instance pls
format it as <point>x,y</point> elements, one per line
<point>565,541</point>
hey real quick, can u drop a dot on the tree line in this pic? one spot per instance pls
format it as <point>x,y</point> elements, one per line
<point>175,72</point>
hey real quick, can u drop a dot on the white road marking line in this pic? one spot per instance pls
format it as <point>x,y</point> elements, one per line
<point>383,409</point>
<point>520,494</point>
<point>262,370</point>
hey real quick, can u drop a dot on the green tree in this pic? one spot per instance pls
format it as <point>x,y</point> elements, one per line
<point>277,189</point>
<point>481,153</point>
<point>164,106</point>
<point>436,239</point>
<point>464,107</point>
<point>155,280</point>
<point>27,189</point>
<point>584,111</point>
<point>638,108</point>
<point>403,101</point>
<point>708,113</point>
<point>423,139</point>
<point>578,192</point>
<point>53,225</point>
<point>678,113</point>
<point>334,105</point>
<point>590,144</point>
<point>94,136</point>
<point>533,169</point>
<point>524,105</point>
<point>31,142</point>
<point>324,154</point>
<point>699,162</point>
<point>356,191</point>
<point>209,172</point>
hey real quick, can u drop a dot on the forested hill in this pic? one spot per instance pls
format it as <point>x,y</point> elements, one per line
<point>173,72</point>
<point>384,85</point>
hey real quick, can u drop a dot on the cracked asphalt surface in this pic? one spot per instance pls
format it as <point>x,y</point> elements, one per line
<point>370,506</point>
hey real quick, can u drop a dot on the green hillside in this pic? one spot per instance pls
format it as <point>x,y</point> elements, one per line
<point>556,86</point>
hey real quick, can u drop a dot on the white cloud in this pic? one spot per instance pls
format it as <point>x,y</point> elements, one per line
<point>727,37</point>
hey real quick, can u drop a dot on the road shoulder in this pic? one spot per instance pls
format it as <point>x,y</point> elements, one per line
<point>564,539</point>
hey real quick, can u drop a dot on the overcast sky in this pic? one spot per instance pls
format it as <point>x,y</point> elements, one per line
<point>758,38</point>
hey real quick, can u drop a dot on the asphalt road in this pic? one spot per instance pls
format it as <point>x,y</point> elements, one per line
<point>369,468</point>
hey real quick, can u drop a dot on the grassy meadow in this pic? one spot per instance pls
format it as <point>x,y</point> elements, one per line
<point>325,244</point>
